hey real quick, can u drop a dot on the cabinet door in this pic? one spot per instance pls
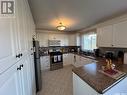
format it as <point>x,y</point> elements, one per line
<point>86,60</point>
<point>72,40</point>
<point>104,36</point>
<point>120,34</point>
<point>10,82</point>
<point>71,58</point>
<point>78,59</point>
<point>8,45</point>
<point>21,25</point>
<point>65,59</point>
<point>45,62</point>
<point>24,75</point>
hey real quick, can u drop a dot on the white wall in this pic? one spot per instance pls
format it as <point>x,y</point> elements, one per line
<point>66,39</point>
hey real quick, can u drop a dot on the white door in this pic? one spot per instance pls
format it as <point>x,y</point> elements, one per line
<point>10,82</point>
<point>120,34</point>
<point>65,59</point>
<point>104,36</point>
<point>24,76</point>
<point>71,58</point>
<point>8,43</point>
<point>78,59</point>
<point>21,26</point>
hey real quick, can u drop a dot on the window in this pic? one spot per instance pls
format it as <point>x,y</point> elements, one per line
<point>89,41</point>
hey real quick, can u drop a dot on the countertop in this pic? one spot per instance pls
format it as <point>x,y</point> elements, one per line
<point>98,81</point>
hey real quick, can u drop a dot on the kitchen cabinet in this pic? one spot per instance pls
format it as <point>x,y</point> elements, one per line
<point>63,38</point>
<point>65,59</point>
<point>104,36</point>
<point>16,43</point>
<point>113,35</point>
<point>68,59</point>
<point>10,82</point>
<point>120,34</point>
<point>74,39</point>
<point>80,61</point>
<point>86,60</point>
<point>15,81</point>
<point>71,58</point>
<point>81,87</point>
<point>45,62</point>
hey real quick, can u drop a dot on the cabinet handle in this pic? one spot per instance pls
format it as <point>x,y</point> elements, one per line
<point>21,65</point>
<point>19,68</point>
<point>21,54</point>
<point>18,56</point>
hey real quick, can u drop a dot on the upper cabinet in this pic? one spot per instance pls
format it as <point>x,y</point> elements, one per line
<point>112,35</point>
<point>74,39</point>
<point>120,34</point>
<point>65,39</point>
<point>104,36</point>
<point>14,35</point>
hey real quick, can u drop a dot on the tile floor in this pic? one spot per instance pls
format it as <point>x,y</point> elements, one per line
<point>58,82</point>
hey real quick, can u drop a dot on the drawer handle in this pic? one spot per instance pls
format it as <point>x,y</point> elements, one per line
<point>21,65</point>
<point>18,56</point>
<point>19,68</point>
<point>21,54</point>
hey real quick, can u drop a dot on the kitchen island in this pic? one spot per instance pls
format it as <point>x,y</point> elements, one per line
<point>87,80</point>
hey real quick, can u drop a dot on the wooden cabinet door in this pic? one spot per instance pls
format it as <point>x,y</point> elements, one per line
<point>104,36</point>
<point>120,34</point>
<point>10,82</point>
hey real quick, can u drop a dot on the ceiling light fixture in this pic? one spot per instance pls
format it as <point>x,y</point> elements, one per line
<point>61,27</point>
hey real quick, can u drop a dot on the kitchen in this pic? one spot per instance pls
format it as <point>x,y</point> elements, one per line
<point>63,47</point>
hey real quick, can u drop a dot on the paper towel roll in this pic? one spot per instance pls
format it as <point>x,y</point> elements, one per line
<point>125,58</point>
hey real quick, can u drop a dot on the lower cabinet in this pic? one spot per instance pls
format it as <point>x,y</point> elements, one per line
<point>82,88</point>
<point>80,61</point>
<point>17,79</point>
<point>10,82</point>
<point>45,62</point>
<point>68,59</point>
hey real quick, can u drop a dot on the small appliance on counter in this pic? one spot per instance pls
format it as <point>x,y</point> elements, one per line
<point>109,55</point>
<point>120,57</point>
<point>56,60</point>
<point>97,52</point>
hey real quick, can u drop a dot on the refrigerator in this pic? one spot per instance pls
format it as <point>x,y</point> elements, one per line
<point>37,64</point>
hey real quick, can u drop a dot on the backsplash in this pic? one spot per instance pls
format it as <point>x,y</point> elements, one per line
<point>115,50</point>
<point>64,49</point>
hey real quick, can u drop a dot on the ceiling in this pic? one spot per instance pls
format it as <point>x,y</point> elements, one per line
<point>74,14</point>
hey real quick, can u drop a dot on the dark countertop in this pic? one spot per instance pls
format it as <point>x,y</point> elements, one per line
<point>98,81</point>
